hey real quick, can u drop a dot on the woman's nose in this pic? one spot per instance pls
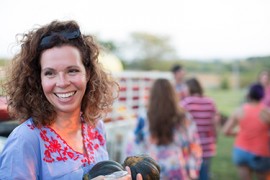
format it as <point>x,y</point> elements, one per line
<point>62,80</point>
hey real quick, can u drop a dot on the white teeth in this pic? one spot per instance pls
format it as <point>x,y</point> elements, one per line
<point>66,95</point>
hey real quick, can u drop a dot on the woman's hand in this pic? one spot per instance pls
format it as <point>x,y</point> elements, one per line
<point>138,176</point>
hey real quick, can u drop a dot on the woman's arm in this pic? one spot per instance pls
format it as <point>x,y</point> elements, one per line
<point>229,127</point>
<point>265,115</point>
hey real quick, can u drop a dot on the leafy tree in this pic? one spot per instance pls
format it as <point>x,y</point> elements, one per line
<point>224,84</point>
<point>145,50</point>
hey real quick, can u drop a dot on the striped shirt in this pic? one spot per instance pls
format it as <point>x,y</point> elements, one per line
<point>203,111</point>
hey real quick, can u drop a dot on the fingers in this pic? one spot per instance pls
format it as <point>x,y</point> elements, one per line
<point>128,169</point>
<point>139,177</point>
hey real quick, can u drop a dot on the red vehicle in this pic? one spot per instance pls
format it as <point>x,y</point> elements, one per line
<point>4,116</point>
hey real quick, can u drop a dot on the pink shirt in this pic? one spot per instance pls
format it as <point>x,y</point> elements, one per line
<point>203,111</point>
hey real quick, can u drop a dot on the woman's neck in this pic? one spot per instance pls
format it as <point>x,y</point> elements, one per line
<point>253,102</point>
<point>69,128</point>
<point>67,122</point>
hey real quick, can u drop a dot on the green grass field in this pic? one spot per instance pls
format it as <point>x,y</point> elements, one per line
<point>222,167</point>
<point>227,100</point>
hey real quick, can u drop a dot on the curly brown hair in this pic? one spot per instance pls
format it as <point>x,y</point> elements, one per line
<point>164,112</point>
<point>23,84</point>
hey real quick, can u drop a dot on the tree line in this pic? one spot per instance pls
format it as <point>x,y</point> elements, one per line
<point>144,51</point>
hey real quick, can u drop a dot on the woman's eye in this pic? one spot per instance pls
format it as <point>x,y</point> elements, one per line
<point>48,73</point>
<point>73,71</point>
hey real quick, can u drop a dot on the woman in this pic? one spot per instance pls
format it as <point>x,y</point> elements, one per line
<point>251,153</point>
<point>167,135</point>
<point>264,79</point>
<point>58,90</point>
<point>204,113</point>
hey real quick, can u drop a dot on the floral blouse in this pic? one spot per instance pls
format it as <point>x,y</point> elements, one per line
<point>179,160</point>
<point>40,153</point>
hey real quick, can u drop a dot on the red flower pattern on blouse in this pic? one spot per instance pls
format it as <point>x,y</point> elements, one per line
<point>56,149</point>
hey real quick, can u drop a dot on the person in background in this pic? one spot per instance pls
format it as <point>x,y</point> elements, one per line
<point>204,114</point>
<point>250,123</point>
<point>59,91</point>
<point>167,134</point>
<point>264,79</point>
<point>179,81</point>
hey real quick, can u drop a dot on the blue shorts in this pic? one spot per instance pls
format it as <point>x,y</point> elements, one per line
<point>245,158</point>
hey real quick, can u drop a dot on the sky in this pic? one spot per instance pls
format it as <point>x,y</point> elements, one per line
<point>198,29</point>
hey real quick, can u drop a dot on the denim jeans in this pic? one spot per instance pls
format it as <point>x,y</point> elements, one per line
<point>205,168</point>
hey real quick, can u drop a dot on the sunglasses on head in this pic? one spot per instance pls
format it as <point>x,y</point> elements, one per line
<point>46,40</point>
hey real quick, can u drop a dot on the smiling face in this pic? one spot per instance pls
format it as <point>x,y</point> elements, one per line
<point>63,78</point>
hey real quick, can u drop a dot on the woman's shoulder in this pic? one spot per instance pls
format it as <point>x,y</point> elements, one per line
<point>98,126</point>
<point>26,132</point>
<point>22,138</point>
<point>26,128</point>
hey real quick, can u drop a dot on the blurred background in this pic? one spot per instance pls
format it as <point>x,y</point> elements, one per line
<point>225,44</point>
